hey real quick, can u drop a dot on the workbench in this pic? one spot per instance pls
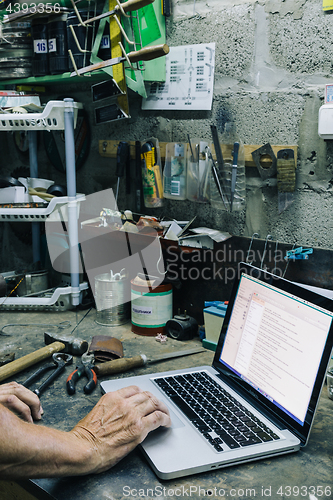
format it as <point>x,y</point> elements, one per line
<point>309,471</point>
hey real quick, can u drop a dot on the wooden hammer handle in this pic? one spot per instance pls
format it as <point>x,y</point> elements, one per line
<point>119,365</point>
<point>31,359</point>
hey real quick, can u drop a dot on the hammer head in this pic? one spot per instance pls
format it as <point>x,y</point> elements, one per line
<point>73,345</point>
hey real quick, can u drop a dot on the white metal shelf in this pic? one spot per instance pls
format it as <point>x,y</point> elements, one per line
<point>57,115</point>
<point>51,118</point>
<point>57,301</point>
<point>20,214</point>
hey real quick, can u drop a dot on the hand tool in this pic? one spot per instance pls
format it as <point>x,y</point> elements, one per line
<point>124,364</point>
<point>145,54</point>
<point>123,152</point>
<point>265,152</point>
<point>72,345</point>
<point>138,177</point>
<point>85,368</point>
<point>217,180</point>
<point>128,6</point>
<point>166,8</point>
<point>148,174</point>
<point>31,359</point>
<point>60,360</point>
<point>286,178</point>
<point>217,147</point>
<point>234,173</point>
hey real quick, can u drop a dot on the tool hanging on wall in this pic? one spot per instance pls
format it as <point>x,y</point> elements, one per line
<point>151,174</point>
<point>128,6</point>
<point>123,153</point>
<point>145,54</point>
<point>286,178</point>
<point>138,178</point>
<point>265,151</point>
<point>234,173</point>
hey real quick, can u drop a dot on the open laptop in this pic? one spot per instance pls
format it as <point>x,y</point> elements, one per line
<point>259,398</point>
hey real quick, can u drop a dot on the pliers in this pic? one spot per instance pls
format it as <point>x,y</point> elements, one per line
<point>60,360</point>
<point>85,368</point>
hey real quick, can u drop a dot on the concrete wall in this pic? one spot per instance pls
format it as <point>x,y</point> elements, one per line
<point>273,60</point>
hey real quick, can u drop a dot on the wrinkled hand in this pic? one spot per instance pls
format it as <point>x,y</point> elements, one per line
<point>118,423</point>
<point>21,401</point>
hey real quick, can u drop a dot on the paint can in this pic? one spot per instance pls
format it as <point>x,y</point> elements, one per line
<point>111,291</point>
<point>151,308</point>
<point>32,283</point>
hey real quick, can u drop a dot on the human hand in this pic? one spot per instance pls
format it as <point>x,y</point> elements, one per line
<point>118,423</point>
<point>21,401</point>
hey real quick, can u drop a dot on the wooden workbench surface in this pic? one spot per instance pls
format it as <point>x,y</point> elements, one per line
<point>132,477</point>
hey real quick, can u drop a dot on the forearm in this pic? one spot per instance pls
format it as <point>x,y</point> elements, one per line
<point>33,451</point>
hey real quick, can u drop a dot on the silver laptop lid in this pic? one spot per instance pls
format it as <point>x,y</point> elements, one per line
<point>275,346</point>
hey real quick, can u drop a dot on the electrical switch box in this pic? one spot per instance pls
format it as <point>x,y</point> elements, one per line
<point>325,121</point>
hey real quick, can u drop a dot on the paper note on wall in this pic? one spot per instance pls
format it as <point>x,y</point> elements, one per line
<point>189,80</point>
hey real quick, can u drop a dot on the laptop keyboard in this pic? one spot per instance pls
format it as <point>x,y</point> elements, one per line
<point>219,417</point>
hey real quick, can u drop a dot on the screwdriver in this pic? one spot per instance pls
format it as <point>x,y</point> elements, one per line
<point>234,173</point>
<point>128,6</point>
<point>123,364</point>
<point>122,158</point>
<point>145,54</point>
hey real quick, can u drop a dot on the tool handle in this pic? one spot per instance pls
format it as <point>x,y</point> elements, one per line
<point>235,154</point>
<point>149,53</point>
<point>38,374</point>
<point>92,381</point>
<point>57,371</point>
<point>135,4</point>
<point>119,365</point>
<point>123,152</point>
<point>72,379</point>
<point>31,359</point>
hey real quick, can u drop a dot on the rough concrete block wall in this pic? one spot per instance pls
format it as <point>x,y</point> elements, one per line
<point>273,60</point>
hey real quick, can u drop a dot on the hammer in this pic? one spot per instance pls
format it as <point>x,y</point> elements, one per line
<point>66,343</point>
<point>74,346</point>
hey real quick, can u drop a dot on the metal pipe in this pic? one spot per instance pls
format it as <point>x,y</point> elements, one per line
<point>72,202</point>
<point>35,226</point>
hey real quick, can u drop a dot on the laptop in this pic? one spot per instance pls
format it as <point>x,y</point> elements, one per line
<point>259,397</point>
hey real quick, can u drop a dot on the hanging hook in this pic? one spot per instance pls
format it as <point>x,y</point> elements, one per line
<point>126,56</point>
<point>123,31</point>
<point>285,270</point>
<point>249,249</point>
<point>268,237</point>
<point>275,256</point>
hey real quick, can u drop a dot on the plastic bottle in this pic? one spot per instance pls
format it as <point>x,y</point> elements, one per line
<point>228,140</point>
<point>174,174</point>
<point>198,171</point>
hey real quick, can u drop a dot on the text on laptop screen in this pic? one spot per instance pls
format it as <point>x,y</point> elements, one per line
<point>275,342</point>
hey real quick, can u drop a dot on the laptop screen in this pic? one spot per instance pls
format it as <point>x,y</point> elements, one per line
<point>274,340</point>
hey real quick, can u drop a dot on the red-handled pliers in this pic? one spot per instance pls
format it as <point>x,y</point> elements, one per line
<point>85,368</point>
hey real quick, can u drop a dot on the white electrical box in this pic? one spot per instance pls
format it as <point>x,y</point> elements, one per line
<point>325,121</point>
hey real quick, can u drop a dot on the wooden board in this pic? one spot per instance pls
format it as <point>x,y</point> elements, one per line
<point>108,148</point>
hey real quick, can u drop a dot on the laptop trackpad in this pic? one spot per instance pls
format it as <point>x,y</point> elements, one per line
<point>175,421</point>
